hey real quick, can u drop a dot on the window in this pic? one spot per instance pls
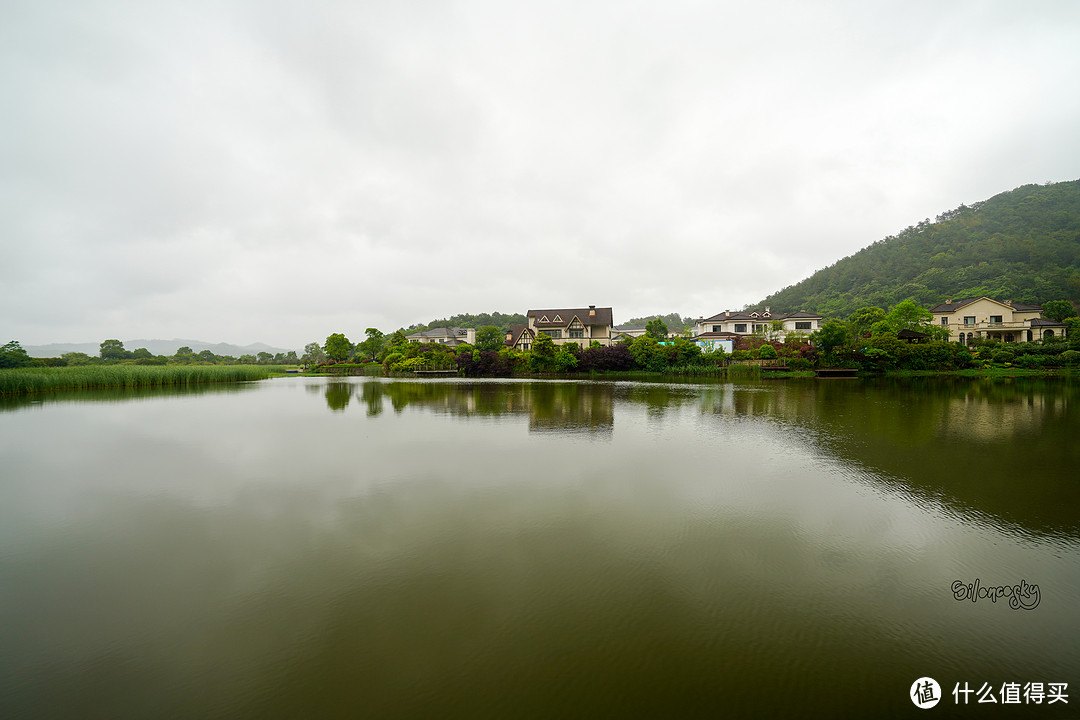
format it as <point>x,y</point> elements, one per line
<point>556,319</point>
<point>803,325</point>
<point>553,334</point>
<point>577,332</point>
<point>718,328</point>
<point>969,319</point>
<point>944,320</point>
<point>525,347</point>
<point>760,328</point>
<point>544,319</point>
<point>740,327</point>
<point>995,318</point>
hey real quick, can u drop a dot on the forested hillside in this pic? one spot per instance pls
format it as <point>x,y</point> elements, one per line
<point>1022,245</point>
<point>496,319</point>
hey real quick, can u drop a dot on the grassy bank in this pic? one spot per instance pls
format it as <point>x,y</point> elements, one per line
<point>41,379</point>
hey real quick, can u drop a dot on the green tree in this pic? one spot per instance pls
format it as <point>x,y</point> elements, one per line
<point>371,347</point>
<point>337,347</point>
<point>12,355</point>
<point>489,338</point>
<point>141,354</point>
<point>864,318</point>
<point>113,350</point>
<point>542,354</point>
<point>77,358</point>
<point>656,329</point>
<point>184,350</point>
<point>833,338</point>
<point>264,358</point>
<point>1058,310</point>
<point>909,315</point>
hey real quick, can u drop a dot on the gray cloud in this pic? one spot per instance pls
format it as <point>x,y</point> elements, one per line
<point>270,171</point>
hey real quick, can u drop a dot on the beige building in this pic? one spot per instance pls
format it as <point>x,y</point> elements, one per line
<point>988,318</point>
<point>576,325</point>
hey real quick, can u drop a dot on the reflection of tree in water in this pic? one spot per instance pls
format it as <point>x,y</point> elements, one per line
<point>338,395</point>
<point>657,397</point>
<point>1003,447</point>
<point>551,407</point>
<point>372,394</point>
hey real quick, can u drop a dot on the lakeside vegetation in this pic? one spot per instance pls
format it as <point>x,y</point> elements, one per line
<point>15,381</point>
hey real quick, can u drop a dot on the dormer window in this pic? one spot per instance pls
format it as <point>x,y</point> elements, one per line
<point>753,314</point>
<point>544,319</point>
<point>557,319</point>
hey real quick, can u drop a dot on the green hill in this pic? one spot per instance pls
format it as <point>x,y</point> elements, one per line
<point>1022,245</point>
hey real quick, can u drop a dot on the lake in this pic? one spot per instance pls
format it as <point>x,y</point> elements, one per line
<point>369,547</point>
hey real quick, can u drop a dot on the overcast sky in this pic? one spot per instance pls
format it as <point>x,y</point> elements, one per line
<point>278,171</point>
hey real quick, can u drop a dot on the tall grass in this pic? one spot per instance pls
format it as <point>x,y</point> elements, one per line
<point>41,379</point>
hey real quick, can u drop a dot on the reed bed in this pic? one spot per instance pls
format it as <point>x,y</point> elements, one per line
<point>42,379</point>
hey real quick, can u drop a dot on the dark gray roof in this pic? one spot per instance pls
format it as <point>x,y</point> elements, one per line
<point>756,316</point>
<point>566,316</point>
<point>954,305</point>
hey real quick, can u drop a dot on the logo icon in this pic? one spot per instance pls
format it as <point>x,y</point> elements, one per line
<point>925,693</point>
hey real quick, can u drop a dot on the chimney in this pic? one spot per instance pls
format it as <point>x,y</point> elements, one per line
<point>949,301</point>
<point>509,336</point>
<point>592,311</point>
<point>766,308</point>
<point>727,313</point>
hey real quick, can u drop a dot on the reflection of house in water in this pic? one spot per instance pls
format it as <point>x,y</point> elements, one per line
<point>572,408</point>
<point>983,419</point>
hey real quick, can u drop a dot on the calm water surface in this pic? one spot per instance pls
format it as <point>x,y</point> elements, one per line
<point>376,548</point>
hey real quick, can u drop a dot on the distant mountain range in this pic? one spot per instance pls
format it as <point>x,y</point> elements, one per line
<point>1021,246</point>
<point>156,347</point>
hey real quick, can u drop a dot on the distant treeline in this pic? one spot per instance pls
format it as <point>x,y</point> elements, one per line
<point>112,352</point>
<point>1022,245</point>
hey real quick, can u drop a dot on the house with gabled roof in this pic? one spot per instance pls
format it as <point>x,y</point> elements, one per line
<point>733,325</point>
<point>520,337</point>
<point>985,317</point>
<point>577,325</point>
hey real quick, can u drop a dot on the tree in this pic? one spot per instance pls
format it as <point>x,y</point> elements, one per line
<point>141,354</point>
<point>909,315</point>
<point>864,318</point>
<point>832,337</point>
<point>1058,310</point>
<point>113,350</point>
<point>371,347</point>
<point>489,338</point>
<point>542,354</point>
<point>337,347</point>
<point>656,328</point>
<point>184,350</point>
<point>264,358</point>
<point>12,355</point>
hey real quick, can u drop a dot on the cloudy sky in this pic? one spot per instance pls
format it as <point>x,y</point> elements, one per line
<point>278,171</point>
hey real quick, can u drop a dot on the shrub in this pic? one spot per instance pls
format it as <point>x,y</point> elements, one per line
<point>1071,357</point>
<point>1002,356</point>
